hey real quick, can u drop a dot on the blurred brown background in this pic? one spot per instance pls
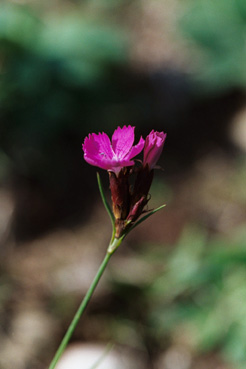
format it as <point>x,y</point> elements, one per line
<point>174,294</point>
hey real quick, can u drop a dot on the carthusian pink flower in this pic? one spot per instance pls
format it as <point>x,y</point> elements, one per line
<point>112,156</point>
<point>128,200</point>
<point>153,148</point>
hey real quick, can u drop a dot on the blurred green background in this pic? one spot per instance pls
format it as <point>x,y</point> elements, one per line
<point>175,292</point>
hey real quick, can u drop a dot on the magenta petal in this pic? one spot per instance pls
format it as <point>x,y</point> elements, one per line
<point>116,167</point>
<point>105,145</point>
<point>95,162</point>
<point>97,150</point>
<point>137,148</point>
<point>98,145</point>
<point>153,148</point>
<point>98,162</point>
<point>122,141</point>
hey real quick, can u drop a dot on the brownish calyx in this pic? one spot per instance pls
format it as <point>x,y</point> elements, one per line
<point>140,193</point>
<point>137,209</point>
<point>120,195</point>
<point>128,207</point>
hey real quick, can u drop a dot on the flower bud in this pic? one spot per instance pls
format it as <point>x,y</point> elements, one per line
<point>153,148</point>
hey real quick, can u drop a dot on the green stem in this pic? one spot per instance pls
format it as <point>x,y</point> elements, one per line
<point>115,243</point>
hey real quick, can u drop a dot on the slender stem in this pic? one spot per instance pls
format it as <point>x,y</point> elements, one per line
<point>80,310</point>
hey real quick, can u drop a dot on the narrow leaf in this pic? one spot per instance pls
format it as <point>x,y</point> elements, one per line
<point>105,203</point>
<point>146,216</point>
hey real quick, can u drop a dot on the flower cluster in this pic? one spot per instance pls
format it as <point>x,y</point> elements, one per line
<point>116,156</point>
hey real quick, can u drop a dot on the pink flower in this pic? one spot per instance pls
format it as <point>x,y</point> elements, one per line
<point>153,148</point>
<point>99,151</point>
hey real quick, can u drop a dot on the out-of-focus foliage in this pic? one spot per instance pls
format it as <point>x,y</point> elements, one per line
<point>61,78</point>
<point>219,29</point>
<point>56,72</point>
<point>197,296</point>
<point>202,292</point>
<point>59,73</point>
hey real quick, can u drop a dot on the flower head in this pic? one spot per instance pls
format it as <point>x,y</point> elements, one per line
<point>112,156</point>
<point>153,148</point>
<point>128,200</point>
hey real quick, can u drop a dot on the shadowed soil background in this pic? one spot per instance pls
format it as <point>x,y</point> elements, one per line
<point>173,296</point>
